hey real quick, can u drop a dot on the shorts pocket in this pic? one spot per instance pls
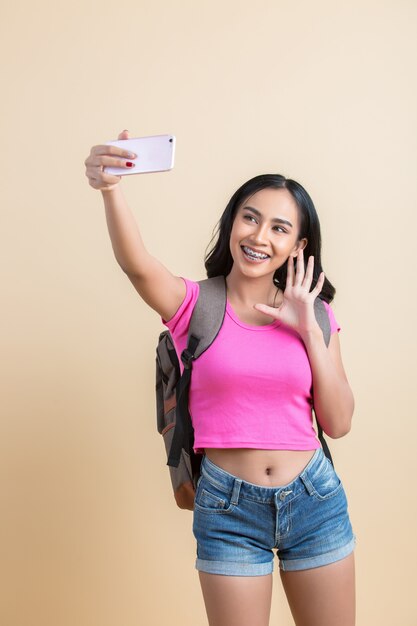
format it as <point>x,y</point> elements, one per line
<point>210,499</point>
<point>326,483</point>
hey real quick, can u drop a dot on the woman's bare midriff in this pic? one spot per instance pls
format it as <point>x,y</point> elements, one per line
<point>268,468</point>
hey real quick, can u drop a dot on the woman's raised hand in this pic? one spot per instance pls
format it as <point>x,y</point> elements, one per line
<point>297,308</point>
<point>101,156</point>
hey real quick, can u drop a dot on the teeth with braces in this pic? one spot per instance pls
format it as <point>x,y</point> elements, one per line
<point>255,255</point>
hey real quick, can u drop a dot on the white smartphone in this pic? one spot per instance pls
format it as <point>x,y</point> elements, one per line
<point>155,154</point>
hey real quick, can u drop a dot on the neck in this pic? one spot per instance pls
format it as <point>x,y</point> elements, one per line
<point>250,291</point>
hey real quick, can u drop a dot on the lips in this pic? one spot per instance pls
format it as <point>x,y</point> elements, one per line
<point>254,255</point>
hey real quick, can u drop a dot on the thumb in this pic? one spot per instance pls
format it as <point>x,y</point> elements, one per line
<point>124,134</point>
<point>268,310</point>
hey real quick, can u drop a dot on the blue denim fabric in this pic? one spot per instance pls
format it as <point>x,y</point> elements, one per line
<point>238,524</point>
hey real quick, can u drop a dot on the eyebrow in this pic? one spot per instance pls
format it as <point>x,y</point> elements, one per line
<point>280,220</point>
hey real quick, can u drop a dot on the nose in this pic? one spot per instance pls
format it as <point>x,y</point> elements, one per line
<point>260,236</point>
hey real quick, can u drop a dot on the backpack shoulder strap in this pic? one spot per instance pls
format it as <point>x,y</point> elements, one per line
<point>205,324</point>
<point>322,318</point>
<point>209,311</point>
<point>323,321</point>
<point>207,318</point>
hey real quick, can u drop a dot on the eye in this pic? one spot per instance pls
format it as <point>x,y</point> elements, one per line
<point>279,229</point>
<point>249,217</point>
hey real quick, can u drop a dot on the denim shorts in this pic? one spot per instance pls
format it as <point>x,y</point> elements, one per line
<point>237,524</point>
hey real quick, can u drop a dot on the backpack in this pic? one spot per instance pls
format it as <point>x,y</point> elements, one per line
<point>173,417</point>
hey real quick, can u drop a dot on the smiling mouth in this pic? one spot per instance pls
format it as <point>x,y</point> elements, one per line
<point>253,255</point>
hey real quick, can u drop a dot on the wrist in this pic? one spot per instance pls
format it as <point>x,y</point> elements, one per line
<point>113,198</point>
<point>312,337</point>
<point>109,191</point>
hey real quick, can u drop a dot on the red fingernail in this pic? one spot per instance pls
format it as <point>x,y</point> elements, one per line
<point>129,164</point>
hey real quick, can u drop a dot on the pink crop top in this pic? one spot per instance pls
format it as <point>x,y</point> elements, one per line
<point>252,387</point>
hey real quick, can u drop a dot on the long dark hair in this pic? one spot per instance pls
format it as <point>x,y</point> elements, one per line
<point>219,261</point>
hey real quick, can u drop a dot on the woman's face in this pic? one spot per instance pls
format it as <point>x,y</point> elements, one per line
<point>265,233</point>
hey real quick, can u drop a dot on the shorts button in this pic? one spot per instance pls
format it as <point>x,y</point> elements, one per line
<point>282,495</point>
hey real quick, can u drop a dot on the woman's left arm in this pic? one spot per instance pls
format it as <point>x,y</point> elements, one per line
<point>332,395</point>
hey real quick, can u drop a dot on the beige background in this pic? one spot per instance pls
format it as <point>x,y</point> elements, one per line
<point>323,92</point>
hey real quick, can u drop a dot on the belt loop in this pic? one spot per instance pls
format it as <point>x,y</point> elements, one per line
<point>203,471</point>
<point>307,483</point>
<point>236,491</point>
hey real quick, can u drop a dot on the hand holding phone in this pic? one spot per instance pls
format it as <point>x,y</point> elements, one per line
<point>155,153</point>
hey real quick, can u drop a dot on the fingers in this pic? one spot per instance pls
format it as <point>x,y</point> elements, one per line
<point>124,134</point>
<point>105,160</point>
<point>295,277</point>
<point>102,156</point>
<point>100,163</point>
<point>111,150</point>
<point>103,181</point>
<point>290,272</point>
<point>299,278</point>
<point>299,273</point>
<point>319,286</point>
<point>98,177</point>
<point>308,278</point>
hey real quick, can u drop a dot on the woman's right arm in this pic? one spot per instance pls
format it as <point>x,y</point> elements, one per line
<point>160,289</point>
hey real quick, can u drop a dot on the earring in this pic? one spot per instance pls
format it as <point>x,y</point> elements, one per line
<point>275,280</point>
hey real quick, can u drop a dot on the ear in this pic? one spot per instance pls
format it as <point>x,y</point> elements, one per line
<point>300,245</point>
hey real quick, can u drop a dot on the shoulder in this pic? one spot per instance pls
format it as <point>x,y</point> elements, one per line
<point>180,320</point>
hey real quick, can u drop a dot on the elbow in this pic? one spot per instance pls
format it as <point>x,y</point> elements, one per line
<point>133,274</point>
<point>342,426</point>
<point>340,429</point>
<point>334,409</point>
<point>129,271</point>
<point>339,432</point>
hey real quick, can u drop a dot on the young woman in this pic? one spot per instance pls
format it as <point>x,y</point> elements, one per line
<point>265,481</point>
